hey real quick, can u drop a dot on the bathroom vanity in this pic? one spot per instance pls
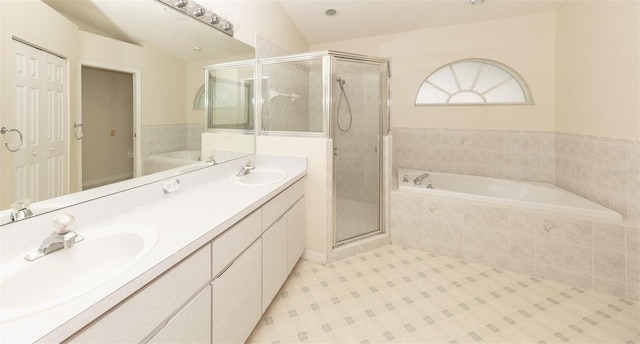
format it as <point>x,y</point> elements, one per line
<point>223,251</point>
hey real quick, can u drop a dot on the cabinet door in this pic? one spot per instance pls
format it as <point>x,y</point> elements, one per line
<point>295,230</point>
<point>274,260</point>
<point>191,325</point>
<point>236,298</point>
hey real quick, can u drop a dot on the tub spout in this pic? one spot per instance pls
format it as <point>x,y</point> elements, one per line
<point>420,178</point>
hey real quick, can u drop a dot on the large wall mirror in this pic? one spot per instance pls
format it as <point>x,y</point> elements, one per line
<point>98,97</point>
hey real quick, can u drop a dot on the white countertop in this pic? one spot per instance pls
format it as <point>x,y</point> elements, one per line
<point>205,206</point>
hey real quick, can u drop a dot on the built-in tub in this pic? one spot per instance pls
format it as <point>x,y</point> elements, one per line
<point>533,196</point>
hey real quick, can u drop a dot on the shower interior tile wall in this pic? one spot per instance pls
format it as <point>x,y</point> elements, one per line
<point>521,155</point>
<point>283,114</point>
<point>357,148</point>
<point>587,254</point>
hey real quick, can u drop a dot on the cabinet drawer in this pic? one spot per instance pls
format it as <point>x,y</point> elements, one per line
<point>138,316</point>
<point>236,297</point>
<point>277,206</point>
<point>191,325</point>
<point>234,240</point>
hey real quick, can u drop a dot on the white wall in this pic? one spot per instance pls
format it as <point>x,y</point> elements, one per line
<point>317,186</point>
<point>266,18</point>
<point>526,44</point>
<point>598,63</point>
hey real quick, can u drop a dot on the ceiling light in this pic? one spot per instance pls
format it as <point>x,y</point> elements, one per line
<point>330,12</point>
<point>196,48</point>
<point>476,2</point>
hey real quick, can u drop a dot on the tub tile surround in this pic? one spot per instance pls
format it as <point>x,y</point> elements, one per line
<point>164,138</point>
<point>521,155</point>
<point>587,254</point>
<point>202,192</point>
<point>601,169</point>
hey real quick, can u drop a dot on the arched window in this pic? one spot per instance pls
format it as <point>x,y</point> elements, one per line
<point>474,82</point>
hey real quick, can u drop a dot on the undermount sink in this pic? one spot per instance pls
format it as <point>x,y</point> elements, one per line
<point>260,176</point>
<point>30,287</point>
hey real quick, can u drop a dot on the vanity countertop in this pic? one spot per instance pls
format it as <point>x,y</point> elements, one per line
<point>205,206</point>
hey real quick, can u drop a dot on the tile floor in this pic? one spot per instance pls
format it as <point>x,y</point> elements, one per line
<point>402,295</point>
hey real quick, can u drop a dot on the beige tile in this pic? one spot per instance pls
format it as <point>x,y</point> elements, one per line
<point>578,259</point>
<point>577,232</point>
<point>610,265</point>
<point>632,240</point>
<point>608,237</point>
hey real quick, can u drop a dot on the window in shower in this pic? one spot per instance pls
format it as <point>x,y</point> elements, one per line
<point>292,100</point>
<point>474,82</point>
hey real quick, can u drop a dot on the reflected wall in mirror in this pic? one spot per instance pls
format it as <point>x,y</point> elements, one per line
<point>162,53</point>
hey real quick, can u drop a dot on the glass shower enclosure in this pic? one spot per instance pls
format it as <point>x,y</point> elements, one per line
<point>345,98</point>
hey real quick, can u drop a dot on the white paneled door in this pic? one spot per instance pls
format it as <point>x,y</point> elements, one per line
<point>40,114</point>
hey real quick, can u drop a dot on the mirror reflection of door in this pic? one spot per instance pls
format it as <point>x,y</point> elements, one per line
<point>107,115</point>
<point>39,166</point>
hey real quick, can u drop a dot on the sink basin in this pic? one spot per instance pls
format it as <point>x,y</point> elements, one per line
<point>30,287</point>
<point>260,176</point>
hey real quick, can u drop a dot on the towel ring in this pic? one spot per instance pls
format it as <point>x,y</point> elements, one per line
<point>75,131</point>
<point>5,130</point>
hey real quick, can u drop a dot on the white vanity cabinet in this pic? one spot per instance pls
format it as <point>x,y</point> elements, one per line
<point>219,293</point>
<point>146,312</point>
<point>192,324</point>
<point>283,239</point>
<point>274,260</point>
<point>237,298</point>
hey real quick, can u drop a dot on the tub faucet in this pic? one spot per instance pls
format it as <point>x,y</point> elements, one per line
<point>20,210</point>
<point>420,178</point>
<point>61,237</point>
<point>246,169</point>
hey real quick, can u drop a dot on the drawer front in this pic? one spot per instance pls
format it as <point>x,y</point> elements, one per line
<point>236,297</point>
<point>277,206</point>
<point>191,325</point>
<point>234,240</point>
<point>138,316</point>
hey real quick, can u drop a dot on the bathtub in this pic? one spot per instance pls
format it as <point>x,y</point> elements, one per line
<point>532,196</point>
<point>165,161</point>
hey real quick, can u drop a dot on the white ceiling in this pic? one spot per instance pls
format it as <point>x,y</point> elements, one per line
<point>363,18</point>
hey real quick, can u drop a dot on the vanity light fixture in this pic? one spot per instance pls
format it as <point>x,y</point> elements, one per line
<point>199,12</point>
<point>196,11</point>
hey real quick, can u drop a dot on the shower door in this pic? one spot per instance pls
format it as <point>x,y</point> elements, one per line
<point>359,98</point>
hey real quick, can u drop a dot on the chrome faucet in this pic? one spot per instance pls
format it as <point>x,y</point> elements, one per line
<point>246,169</point>
<point>20,210</point>
<point>420,178</point>
<point>61,237</point>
